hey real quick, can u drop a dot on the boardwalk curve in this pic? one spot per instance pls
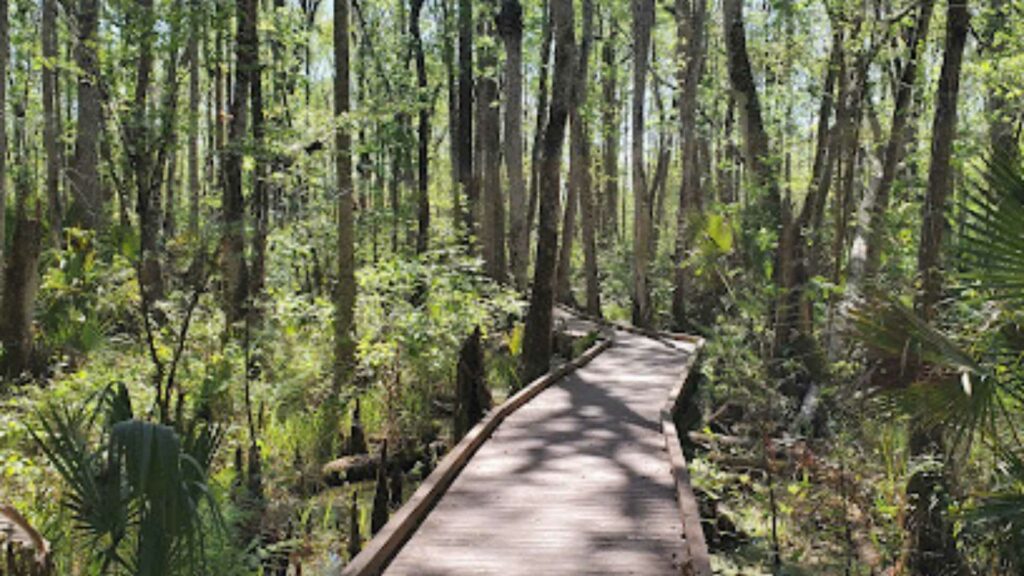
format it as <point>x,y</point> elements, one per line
<point>578,480</point>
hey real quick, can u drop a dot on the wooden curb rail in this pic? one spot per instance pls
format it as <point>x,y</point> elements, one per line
<point>383,547</point>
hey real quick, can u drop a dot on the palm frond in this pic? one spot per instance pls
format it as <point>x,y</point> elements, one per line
<point>992,247</point>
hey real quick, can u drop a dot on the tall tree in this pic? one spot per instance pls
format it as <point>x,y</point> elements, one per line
<point>581,164</point>
<point>492,228</point>
<point>766,213</point>
<point>51,136</point>
<point>4,52</point>
<point>261,170</point>
<point>510,27</point>
<point>690,48</point>
<point>537,334</point>
<point>141,144</point>
<point>423,131</point>
<point>195,30</point>
<point>932,546</point>
<point>467,183</point>
<point>643,20</point>
<point>232,249</point>
<point>345,291</point>
<point>610,125</point>
<point>542,117</point>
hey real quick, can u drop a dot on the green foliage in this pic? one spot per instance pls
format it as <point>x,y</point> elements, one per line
<point>135,488</point>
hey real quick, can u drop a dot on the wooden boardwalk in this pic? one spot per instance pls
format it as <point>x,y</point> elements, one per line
<point>577,481</point>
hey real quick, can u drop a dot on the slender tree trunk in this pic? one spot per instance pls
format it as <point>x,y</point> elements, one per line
<point>234,270</point>
<point>492,230</point>
<point>345,295</point>
<point>168,221</point>
<point>4,53</point>
<point>467,183</point>
<point>448,55</point>
<point>542,117</point>
<point>610,126</point>
<point>48,31</point>
<point>145,170</point>
<point>767,212</point>
<point>20,277</point>
<point>423,136</point>
<point>932,545</point>
<point>510,26</point>
<point>537,335</point>
<point>260,186</point>
<point>690,48</point>
<point>582,164</point>
<point>193,118</point>
<point>643,20</point>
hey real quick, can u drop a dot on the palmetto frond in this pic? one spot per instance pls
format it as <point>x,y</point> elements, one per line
<point>993,242</point>
<point>138,491</point>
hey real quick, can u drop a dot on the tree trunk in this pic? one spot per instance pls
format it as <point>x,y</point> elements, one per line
<point>510,26</point>
<point>492,229</point>
<point>767,212</point>
<point>260,186</point>
<point>48,31</point>
<point>4,52</point>
<point>193,118</point>
<point>582,165</point>
<point>537,335</point>
<point>345,295</point>
<point>643,20</point>
<point>465,138</point>
<point>232,249</point>
<point>448,55</point>
<point>21,277</point>
<point>423,136</point>
<point>932,546</point>
<point>690,55</point>
<point>145,169</point>
<point>542,118</point>
<point>610,126</point>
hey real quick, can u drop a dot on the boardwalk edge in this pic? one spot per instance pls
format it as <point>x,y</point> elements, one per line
<point>698,560</point>
<point>383,547</point>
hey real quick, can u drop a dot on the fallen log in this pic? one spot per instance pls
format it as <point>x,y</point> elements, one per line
<point>362,467</point>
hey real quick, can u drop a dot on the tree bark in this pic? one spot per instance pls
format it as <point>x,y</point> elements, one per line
<point>193,117</point>
<point>4,53</point>
<point>260,186</point>
<point>423,132</point>
<point>767,212</point>
<point>51,128</point>
<point>690,49</point>
<point>144,164</point>
<point>932,546</point>
<point>232,250</point>
<point>537,335</point>
<point>345,295</point>
<point>610,125</point>
<point>467,183</point>
<point>643,20</point>
<point>542,118</point>
<point>581,165</point>
<point>492,229</point>
<point>21,277</point>
<point>510,26</point>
